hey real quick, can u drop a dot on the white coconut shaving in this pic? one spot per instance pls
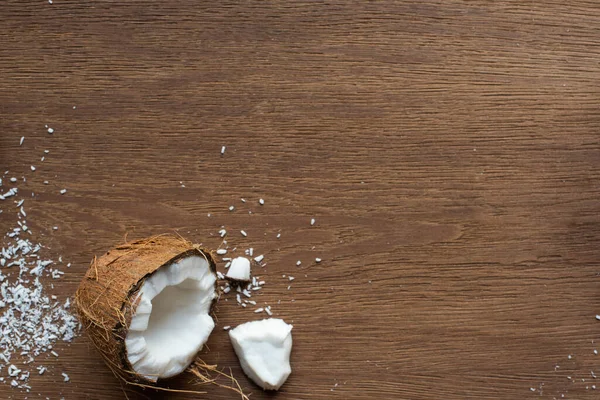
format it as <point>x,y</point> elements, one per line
<point>239,270</point>
<point>172,322</point>
<point>263,348</point>
<point>31,321</point>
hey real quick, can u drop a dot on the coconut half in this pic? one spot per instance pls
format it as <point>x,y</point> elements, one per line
<point>264,348</point>
<point>146,306</point>
<point>171,322</point>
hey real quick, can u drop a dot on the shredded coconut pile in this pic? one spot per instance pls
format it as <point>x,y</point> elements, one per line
<point>31,321</point>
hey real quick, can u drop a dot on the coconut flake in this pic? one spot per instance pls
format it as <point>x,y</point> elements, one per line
<point>261,202</point>
<point>263,348</point>
<point>259,258</point>
<point>312,222</point>
<point>243,233</point>
<point>223,150</point>
<point>221,252</point>
<point>31,322</point>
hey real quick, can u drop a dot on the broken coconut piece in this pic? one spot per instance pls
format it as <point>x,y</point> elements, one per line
<point>263,348</point>
<point>146,306</point>
<point>239,270</point>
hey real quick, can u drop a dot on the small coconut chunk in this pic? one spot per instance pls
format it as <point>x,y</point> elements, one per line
<point>264,348</point>
<point>239,270</point>
<point>171,322</point>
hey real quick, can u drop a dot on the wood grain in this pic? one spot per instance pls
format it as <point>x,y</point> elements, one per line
<point>449,152</point>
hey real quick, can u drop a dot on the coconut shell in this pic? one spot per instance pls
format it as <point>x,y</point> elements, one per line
<point>104,299</point>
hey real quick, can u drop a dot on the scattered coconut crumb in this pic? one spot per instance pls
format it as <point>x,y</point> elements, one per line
<point>318,260</point>
<point>226,328</point>
<point>312,222</point>
<point>261,202</point>
<point>223,150</point>
<point>259,310</point>
<point>66,377</point>
<point>221,252</point>
<point>50,130</point>
<point>298,263</point>
<point>243,233</point>
<point>31,321</point>
<point>22,140</point>
<point>63,191</point>
<point>259,258</point>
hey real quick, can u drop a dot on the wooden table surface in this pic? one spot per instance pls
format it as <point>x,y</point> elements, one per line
<point>448,150</point>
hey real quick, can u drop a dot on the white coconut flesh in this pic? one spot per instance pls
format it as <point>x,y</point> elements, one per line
<point>239,269</point>
<point>171,322</point>
<point>263,348</point>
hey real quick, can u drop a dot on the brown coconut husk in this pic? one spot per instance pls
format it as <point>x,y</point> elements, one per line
<point>104,299</point>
